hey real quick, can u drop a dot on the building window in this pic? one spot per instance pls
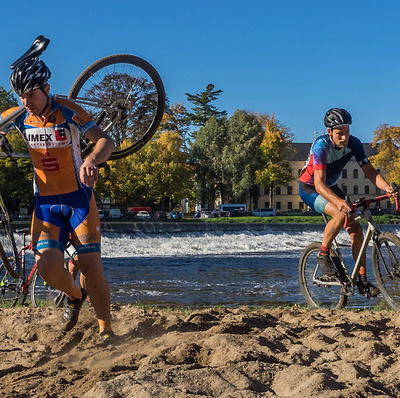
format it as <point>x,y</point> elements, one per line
<point>290,190</point>
<point>289,205</point>
<point>301,205</point>
<point>355,173</point>
<point>344,173</point>
<point>278,205</point>
<point>344,189</point>
<point>355,189</point>
<point>366,188</point>
<point>278,191</point>
<point>266,191</point>
<point>266,204</point>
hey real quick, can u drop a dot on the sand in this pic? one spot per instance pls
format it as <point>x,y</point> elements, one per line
<point>242,352</point>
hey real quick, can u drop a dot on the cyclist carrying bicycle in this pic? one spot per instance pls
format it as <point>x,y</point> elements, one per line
<point>64,200</point>
<point>318,188</point>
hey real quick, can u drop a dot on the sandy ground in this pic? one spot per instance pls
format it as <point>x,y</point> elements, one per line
<point>208,353</point>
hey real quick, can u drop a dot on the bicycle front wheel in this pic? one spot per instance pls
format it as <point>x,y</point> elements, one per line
<point>42,294</point>
<point>8,248</point>
<point>125,95</point>
<point>386,265</point>
<point>316,293</point>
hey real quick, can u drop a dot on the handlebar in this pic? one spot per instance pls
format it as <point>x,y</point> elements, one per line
<point>365,203</point>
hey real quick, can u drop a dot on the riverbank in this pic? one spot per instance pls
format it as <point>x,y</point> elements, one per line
<point>170,227</point>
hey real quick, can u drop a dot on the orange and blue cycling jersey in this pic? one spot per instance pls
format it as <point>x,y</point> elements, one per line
<point>54,145</point>
<point>63,205</point>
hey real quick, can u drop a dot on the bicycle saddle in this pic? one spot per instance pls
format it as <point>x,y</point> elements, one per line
<point>38,46</point>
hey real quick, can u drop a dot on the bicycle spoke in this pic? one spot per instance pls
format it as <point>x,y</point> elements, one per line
<point>318,292</point>
<point>125,96</point>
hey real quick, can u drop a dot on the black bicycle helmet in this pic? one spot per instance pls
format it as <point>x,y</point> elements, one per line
<point>29,75</point>
<point>337,117</point>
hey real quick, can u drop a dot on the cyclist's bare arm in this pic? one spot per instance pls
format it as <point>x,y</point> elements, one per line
<point>101,152</point>
<point>327,193</point>
<point>376,178</point>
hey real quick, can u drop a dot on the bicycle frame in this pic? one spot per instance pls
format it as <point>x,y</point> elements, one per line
<point>348,280</point>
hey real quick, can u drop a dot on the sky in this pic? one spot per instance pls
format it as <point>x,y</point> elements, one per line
<point>291,58</point>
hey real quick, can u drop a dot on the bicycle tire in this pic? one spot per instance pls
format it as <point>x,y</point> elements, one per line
<point>8,248</point>
<point>124,76</point>
<point>386,266</point>
<point>41,293</point>
<point>317,295</point>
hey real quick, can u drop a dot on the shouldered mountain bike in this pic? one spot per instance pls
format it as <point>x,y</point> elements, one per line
<point>322,292</point>
<point>125,96</point>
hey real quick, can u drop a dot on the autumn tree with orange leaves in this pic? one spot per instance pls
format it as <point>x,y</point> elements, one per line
<point>277,151</point>
<point>387,141</point>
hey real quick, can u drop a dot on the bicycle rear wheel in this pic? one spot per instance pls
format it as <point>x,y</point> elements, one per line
<point>8,249</point>
<point>386,266</point>
<point>43,294</point>
<point>317,294</point>
<point>125,95</point>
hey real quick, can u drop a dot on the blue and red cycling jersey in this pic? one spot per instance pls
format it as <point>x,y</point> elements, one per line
<point>325,156</point>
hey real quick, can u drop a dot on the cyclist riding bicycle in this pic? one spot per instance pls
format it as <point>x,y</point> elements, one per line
<point>64,199</point>
<point>318,188</point>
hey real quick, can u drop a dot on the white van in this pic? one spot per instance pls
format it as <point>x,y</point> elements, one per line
<point>266,212</point>
<point>227,210</point>
<point>115,213</point>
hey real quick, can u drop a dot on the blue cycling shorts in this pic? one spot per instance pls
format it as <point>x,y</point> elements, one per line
<point>56,218</point>
<point>313,199</point>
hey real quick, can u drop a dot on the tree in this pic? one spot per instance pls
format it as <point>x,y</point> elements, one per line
<point>242,154</point>
<point>7,100</point>
<point>176,119</point>
<point>202,107</point>
<point>276,154</point>
<point>206,157</point>
<point>157,174</point>
<point>15,175</point>
<point>387,139</point>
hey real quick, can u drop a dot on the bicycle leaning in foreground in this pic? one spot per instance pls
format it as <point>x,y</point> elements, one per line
<point>125,96</point>
<point>322,292</point>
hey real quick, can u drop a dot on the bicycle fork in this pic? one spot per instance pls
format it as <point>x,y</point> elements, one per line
<point>395,266</point>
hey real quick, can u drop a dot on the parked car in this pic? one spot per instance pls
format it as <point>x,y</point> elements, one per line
<point>115,213</point>
<point>265,212</point>
<point>238,213</point>
<point>227,210</point>
<point>101,214</point>
<point>378,211</point>
<point>175,215</point>
<point>160,215</point>
<point>143,215</point>
<point>206,214</point>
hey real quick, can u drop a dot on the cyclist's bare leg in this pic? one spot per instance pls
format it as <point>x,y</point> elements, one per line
<point>334,225</point>
<point>97,286</point>
<point>356,234</point>
<point>73,267</point>
<point>50,263</point>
